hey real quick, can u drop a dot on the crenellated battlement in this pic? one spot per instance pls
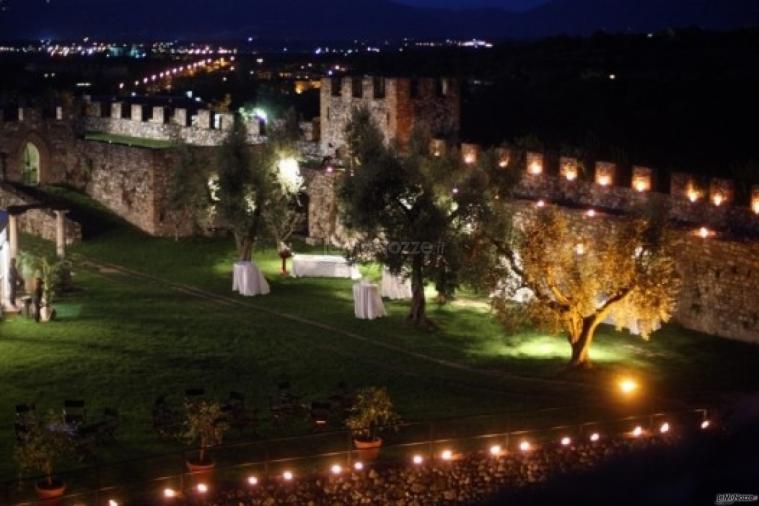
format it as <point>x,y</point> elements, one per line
<point>201,127</point>
<point>692,199</point>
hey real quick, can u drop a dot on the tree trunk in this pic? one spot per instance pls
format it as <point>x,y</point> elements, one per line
<point>581,343</point>
<point>418,314</point>
<point>246,249</point>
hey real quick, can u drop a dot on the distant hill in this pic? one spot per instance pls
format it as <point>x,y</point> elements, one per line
<point>350,19</point>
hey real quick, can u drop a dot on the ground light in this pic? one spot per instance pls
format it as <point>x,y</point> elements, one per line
<point>252,481</point>
<point>336,469</point>
<point>113,502</point>
<point>637,431</point>
<point>566,441</point>
<point>496,450</point>
<point>202,488</point>
<point>169,493</point>
<point>418,459</point>
<point>525,446</point>
<point>287,475</point>
<point>595,437</point>
<point>627,386</point>
<point>446,455</point>
<point>705,424</point>
<point>664,428</point>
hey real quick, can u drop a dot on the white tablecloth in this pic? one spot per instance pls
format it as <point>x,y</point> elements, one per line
<point>248,280</point>
<point>394,287</point>
<point>323,266</point>
<point>367,302</point>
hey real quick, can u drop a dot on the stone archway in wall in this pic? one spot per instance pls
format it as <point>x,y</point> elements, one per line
<point>32,159</point>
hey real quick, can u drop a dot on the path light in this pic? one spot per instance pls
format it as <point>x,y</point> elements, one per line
<point>469,159</point>
<point>705,424</point>
<point>358,466</point>
<point>202,488</point>
<point>496,450</point>
<point>446,455</point>
<point>590,213</point>
<point>540,203</point>
<point>418,459</point>
<point>113,502</point>
<point>595,437</point>
<point>718,199</point>
<point>566,441</point>
<point>169,493</point>
<point>704,233</point>
<point>535,168</point>
<point>287,476</point>
<point>252,481</point>
<point>637,431</point>
<point>336,469</point>
<point>525,446</point>
<point>692,193</point>
<point>664,428</point>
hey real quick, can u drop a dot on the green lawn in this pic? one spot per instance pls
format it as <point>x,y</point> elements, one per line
<point>121,340</point>
<point>127,140</point>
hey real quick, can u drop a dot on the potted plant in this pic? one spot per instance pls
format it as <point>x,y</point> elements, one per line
<point>371,414</point>
<point>39,449</point>
<point>204,427</point>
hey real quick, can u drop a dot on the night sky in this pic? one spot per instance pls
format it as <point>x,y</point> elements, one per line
<point>346,20</point>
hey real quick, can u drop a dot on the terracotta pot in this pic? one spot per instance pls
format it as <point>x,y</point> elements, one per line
<point>200,467</point>
<point>46,491</point>
<point>368,450</point>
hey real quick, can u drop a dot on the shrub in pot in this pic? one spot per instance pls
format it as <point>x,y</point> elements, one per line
<point>372,414</point>
<point>40,448</point>
<point>204,428</point>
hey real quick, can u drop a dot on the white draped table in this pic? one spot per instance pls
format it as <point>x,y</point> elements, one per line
<point>367,302</point>
<point>248,280</point>
<point>323,266</point>
<point>394,287</point>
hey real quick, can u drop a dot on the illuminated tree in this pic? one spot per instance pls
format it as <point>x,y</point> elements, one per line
<point>257,185</point>
<point>577,279</point>
<point>411,210</point>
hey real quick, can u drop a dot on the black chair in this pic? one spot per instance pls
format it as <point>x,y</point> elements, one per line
<point>320,414</point>
<point>165,418</point>
<point>24,410</point>
<point>194,394</point>
<point>74,412</point>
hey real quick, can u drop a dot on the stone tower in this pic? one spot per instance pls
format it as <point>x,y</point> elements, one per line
<point>396,104</point>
